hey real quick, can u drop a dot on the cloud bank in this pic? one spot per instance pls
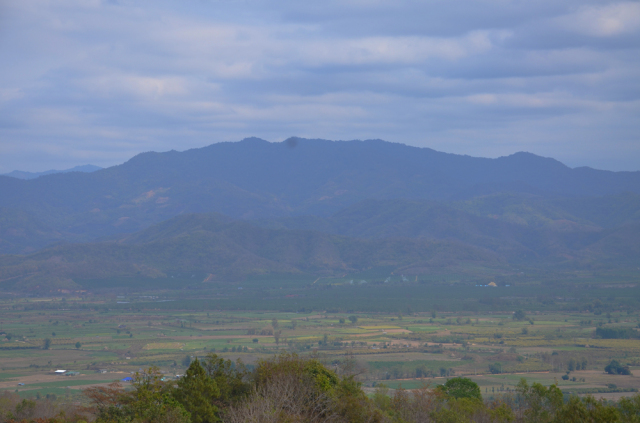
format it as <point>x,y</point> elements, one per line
<point>97,81</point>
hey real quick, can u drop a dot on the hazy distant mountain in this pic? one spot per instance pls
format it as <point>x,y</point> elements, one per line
<point>33,175</point>
<point>401,236</point>
<point>257,179</point>
<point>518,227</point>
<point>229,250</point>
<point>316,207</point>
<point>21,233</point>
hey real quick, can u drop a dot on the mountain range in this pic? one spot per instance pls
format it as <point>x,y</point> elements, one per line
<point>314,207</point>
<point>20,174</point>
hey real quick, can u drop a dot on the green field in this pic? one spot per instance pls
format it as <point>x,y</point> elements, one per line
<point>107,340</point>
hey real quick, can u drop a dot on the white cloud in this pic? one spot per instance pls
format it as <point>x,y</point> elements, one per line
<point>604,21</point>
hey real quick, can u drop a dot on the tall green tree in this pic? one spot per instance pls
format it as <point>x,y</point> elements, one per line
<point>230,378</point>
<point>541,404</point>
<point>579,410</point>
<point>197,392</point>
<point>150,401</point>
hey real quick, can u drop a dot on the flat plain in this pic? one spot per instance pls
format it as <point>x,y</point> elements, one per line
<point>101,343</point>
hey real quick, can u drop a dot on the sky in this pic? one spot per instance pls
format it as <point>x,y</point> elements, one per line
<point>98,81</point>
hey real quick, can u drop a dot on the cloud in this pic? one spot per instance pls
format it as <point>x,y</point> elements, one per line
<point>98,81</point>
<point>604,21</point>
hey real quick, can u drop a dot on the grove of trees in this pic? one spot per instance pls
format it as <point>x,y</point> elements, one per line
<point>291,389</point>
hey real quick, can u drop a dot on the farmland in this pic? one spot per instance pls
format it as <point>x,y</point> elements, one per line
<point>105,340</point>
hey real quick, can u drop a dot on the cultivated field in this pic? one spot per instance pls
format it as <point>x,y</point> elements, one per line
<point>104,344</point>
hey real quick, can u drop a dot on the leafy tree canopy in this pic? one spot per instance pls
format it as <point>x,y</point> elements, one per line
<point>615,368</point>
<point>461,387</point>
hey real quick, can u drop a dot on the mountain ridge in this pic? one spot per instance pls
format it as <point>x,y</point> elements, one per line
<point>372,195</point>
<point>228,251</point>
<point>257,179</point>
<point>25,175</point>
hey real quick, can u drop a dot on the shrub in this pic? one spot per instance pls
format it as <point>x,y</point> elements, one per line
<point>495,368</point>
<point>519,315</point>
<point>615,368</point>
<point>461,387</point>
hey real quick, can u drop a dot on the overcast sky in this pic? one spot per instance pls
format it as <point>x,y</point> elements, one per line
<point>98,81</point>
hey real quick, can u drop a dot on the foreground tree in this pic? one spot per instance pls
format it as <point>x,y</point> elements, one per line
<point>291,389</point>
<point>231,379</point>
<point>151,401</point>
<point>539,404</point>
<point>197,393</point>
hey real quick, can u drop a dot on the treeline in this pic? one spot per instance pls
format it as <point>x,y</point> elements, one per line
<point>616,333</point>
<point>290,389</point>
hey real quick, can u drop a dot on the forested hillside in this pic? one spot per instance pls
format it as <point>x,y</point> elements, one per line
<point>256,179</point>
<point>314,207</point>
<point>211,245</point>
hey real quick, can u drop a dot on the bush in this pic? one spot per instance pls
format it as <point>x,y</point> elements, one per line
<point>495,368</point>
<point>519,315</point>
<point>461,387</point>
<point>615,368</point>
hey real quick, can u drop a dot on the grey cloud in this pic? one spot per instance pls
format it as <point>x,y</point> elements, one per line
<point>98,81</point>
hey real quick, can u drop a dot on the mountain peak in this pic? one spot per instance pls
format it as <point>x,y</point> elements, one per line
<point>254,141</point>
